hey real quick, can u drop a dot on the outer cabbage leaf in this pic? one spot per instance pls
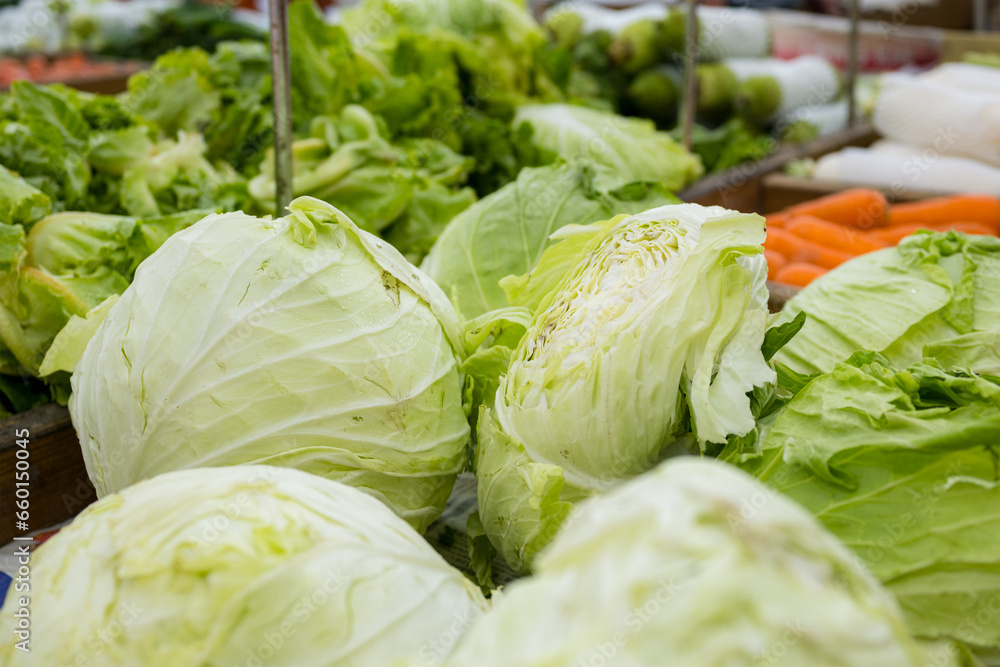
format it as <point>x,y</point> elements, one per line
<point>506,233</point>
<point>632,147</point>
<point>649,334</point>
<point>693,563</point>
<point>902,466</point>
<point>20,202</point>
<point>221,565</point>
<point>306,343</point>
<point>929,289</point>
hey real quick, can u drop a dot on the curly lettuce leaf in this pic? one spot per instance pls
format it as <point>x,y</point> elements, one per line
<point>903,467</point>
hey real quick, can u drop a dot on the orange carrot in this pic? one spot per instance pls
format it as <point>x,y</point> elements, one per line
<point>962,208</point>
<point>831,235</point>
<point>776,220</point>
<point>860,208</point>
<point>796,249</point>
<point>799,274</point>
<point>775,262</point>
<point>781,242</point>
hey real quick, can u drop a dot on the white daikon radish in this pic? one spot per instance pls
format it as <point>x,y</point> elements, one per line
<point>892,169</point>
<point>724,32</point>
<point>926,114</point>
<point>596,18</point>
<point>977,78</point>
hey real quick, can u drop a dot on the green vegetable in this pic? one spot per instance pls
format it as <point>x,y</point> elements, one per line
<point>716,90</point>
<point>228,92</point>
<point>929,289</point>
<point>189,24</point>
<point>655,94</point>
<point>20,203</point>
<point>759,99</point>
<point>693,563</point>
<point>306,342</point>
<point>730,144</point>
<point>903,467</point>
<point>406,191</point>
<point>69,263</point>
<point>507,232</point>
<point>502,32</point>
<point>225,566</point>
<point>631,146</point>
<point>635,48</point>
<point>646,335</point>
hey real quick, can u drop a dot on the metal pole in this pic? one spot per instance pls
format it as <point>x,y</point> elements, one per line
<point>980,20</point>
<point>281,76</point>
<point>690,100</point>
<point>852,62</point>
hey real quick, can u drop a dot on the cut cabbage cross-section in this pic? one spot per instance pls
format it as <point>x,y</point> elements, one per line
<point>647,330</point>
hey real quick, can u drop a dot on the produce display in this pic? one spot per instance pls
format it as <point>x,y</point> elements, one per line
<point>632,60</point>
<point>940,134</point>
<point>139,30</point>
<point>396,133</point>
<point>669,569</point>
<point>486,327</point>
<point>807,240</point>
<point>71,67</point>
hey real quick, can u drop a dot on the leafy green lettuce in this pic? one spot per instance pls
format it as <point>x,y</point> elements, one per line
<point>20,202</point>
<point>407,191</point>
<point>904,467</point>
<point>68,264</point>
<point>930,289</point>
<point>633,147</point>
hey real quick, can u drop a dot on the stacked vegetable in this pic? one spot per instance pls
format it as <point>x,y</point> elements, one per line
<point>941,134</point>
<point>632,59</point>
<point>807,240</point>
<point>402,128</point>
<point>572,328</point>
<point>627,342</point>
<point>135,30</point>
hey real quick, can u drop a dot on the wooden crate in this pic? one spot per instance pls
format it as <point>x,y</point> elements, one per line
<point>948,14</point>
<point>59,487</point>
<point>741,188</point>
<point>105,85</point>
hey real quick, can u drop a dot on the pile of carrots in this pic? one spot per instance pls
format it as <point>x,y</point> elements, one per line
<point>66,67</point>
<point>807,240</point>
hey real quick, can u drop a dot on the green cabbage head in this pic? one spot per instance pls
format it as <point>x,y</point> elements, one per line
<point>248,565</point>
<point>646,332</point>
<point>692,564</point>
<point>302,342</point>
